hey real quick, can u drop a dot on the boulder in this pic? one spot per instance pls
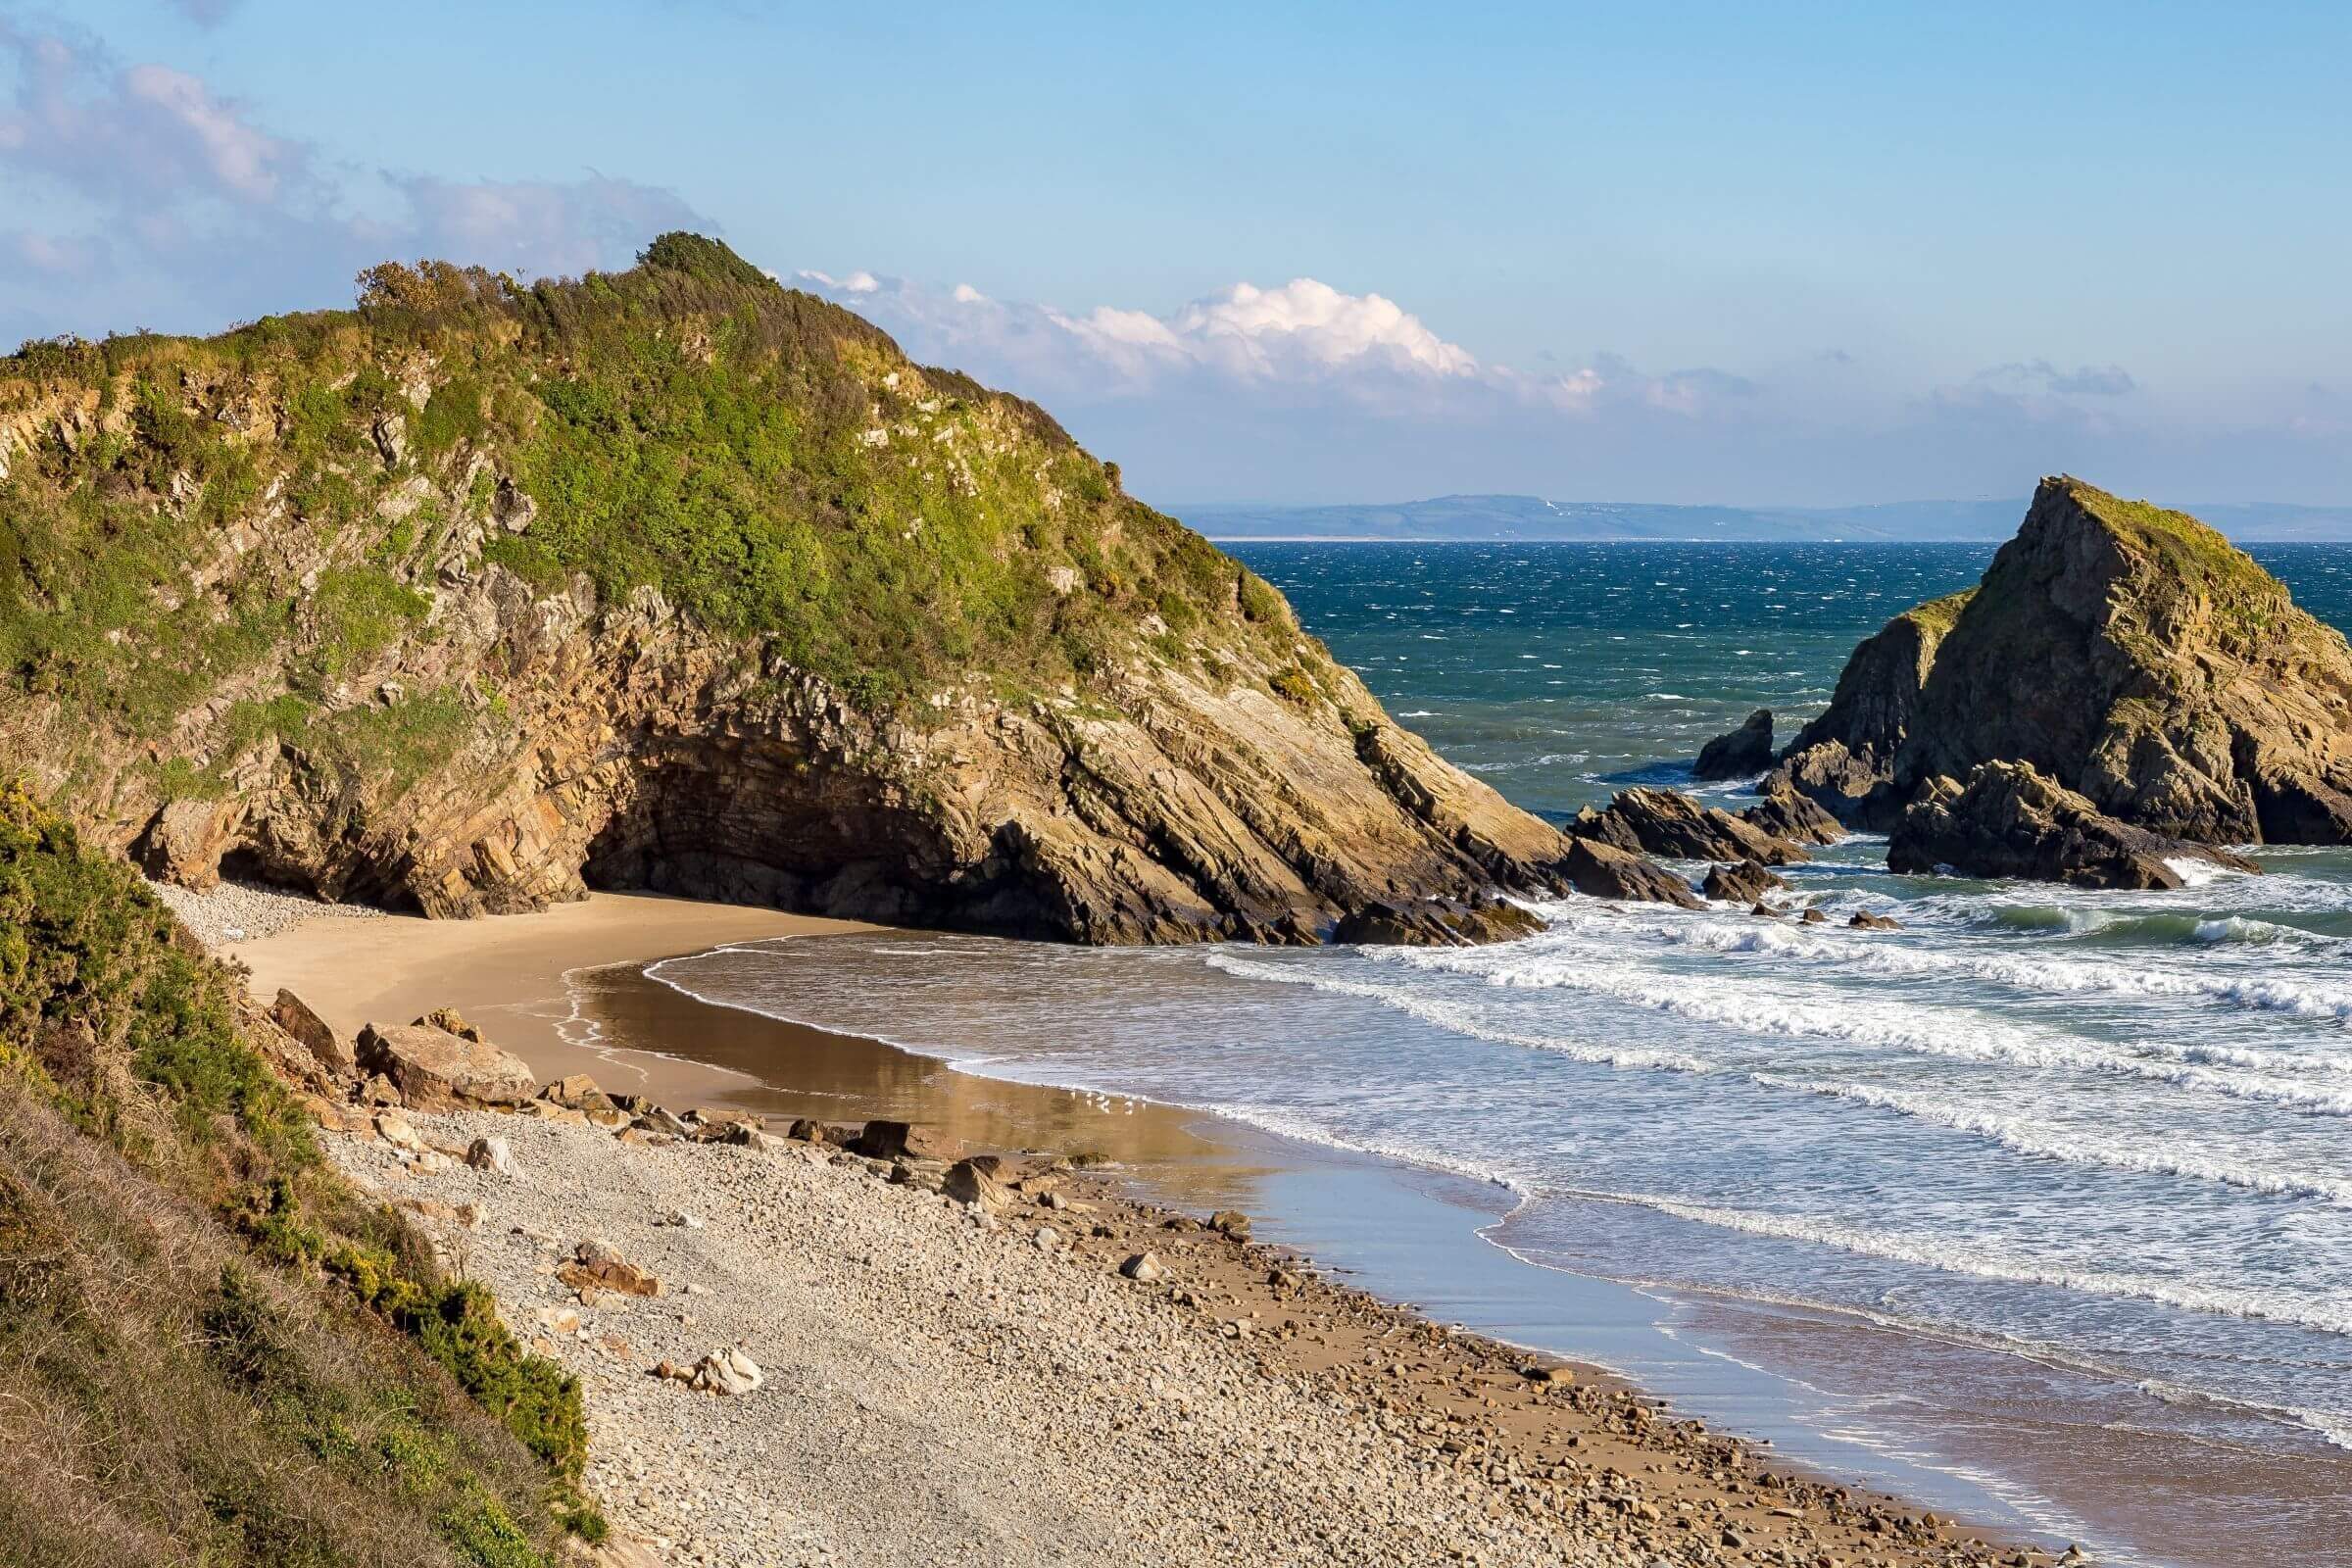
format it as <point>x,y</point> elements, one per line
<point>967,1184</point>
<point>1230,1222</point>
<point>294,1015</point>
<point>1603,870</point>
<point>1436,923</point>
<point>1670,823</point>
<point>1145,1268</point>
<point>1744,883</point>
<point>437,1070</point>
<point>2008,820</point>
<point>1785,813</point>
<point>1865,920</point>
<point>576,1091</point>
<point>893,1139</point>
<point>727,1371</point>
<point>394,1129</point>
<point>1742,753</point>
<point>1812,916</point>
<point>491,1155</point>
<point>448,1018</point>
<point>596,1266</point>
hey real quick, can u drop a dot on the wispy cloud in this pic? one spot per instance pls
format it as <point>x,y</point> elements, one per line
<point>167,202</point>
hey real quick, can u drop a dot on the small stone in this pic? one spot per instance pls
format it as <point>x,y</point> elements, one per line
<point>1232,1222</point>
<point>1047,1237</point>
<point>491,1155</point>
<point>1145,1268</point>
<point>394,1129</point>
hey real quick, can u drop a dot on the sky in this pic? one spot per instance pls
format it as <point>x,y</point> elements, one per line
<point>1763,255</point>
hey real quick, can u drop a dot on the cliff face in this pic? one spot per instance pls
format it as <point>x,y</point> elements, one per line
<point>480,595</point>
<point>2125,652</point>
<point>1845,758</point>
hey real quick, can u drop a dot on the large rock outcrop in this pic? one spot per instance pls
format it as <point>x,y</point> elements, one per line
<point>1741,753</point>
<point>478,597</point>
<point>1844,760</point>
<point>2007,820</point>
<point>2125,652</point>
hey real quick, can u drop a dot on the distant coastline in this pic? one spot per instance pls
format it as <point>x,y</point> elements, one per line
<point>1533,519</point>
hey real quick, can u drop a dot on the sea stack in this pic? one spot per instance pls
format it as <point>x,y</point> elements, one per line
<point>2127,655</point>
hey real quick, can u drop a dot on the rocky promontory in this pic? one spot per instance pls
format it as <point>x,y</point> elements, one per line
<point>2155,683</point>
<point>481,595</point>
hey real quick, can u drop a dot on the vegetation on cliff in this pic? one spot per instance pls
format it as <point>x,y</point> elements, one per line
<point>261,1367</point>
<point>673,577</point>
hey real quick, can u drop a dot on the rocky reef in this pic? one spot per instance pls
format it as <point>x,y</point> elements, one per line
<point>481,595</point>
<point>2007,820</point>
<point>2134,663</point>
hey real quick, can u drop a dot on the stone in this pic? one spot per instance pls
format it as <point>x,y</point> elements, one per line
<point>1436,923</point>
<point>889,1139</point>
<point>1844,760</point>
<point>966,1183</point>
<point>435,1069</point>
<point>596,1266</point>
<point>1812,916</point>
<point>725,1371</point>
<point>1549,1377</point>
<point>491,1155</point>
<point>561,1320</point>
<point>1867,920</point>
<point>1744,883</point>
<point>1047,1237</point>
<point>576,1091</point>
<point>447,1018</point>
<point>294,1015</point>
<point>394,1129</point>
<point>1670,823</point>
<point>2009,820</point>
<point>1145,1268</point>
<point>1742,753</point>
<point>1603,870</point>
<point>1230,1222</point>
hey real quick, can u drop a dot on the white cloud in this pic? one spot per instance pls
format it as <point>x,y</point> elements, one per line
<point>243,160</point>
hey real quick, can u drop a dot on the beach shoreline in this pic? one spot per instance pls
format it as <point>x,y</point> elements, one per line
<point>517,977</point>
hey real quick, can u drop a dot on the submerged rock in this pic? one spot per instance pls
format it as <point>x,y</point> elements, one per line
<point>1671,823</point>
<point>1741,753</point>
<point>2010,821</point>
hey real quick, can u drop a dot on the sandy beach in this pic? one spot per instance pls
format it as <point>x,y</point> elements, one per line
<point>947,1383</point>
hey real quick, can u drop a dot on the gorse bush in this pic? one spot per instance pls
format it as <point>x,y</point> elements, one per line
<point>264,1367</point>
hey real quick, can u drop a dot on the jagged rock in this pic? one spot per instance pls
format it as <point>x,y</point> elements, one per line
<point>1844,760</point>
<point>1603,870</point>
<point>1866,921</point>
<point>2010,821</point>
<point>1812,916</point>
<point>727,1371</point>
<point>491,1155</point>
<point>435,1071</point>
<point>1742,753</point>
<point>895,1140</point>
<point>294,1015</point>
<point>1744,883</point>
<point>1436,923</point>
<point>1671,823</point>
<point>1145,1268</point>
<point>596,1266</point>
<point>1230,1222</point>
<point>1785,813</point>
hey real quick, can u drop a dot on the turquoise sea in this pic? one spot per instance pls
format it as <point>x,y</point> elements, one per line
<point>2068,1173</point>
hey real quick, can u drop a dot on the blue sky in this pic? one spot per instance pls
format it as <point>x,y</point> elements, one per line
<point>1750,254</point>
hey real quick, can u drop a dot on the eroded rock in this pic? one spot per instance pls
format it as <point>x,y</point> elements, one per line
<point>1744,883</point>
<point>1670,823</point>
<point>1603,870</point>
<point>1742,753</point>
<point>1436,923</point>
<point>434,1070</point>
<point>2008,820</point>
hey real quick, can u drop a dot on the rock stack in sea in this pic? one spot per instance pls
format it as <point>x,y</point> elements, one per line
<point>2141,689</point>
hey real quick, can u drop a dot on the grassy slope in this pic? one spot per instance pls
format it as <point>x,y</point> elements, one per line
<point>2246,604</point>
<point>211,1349</point>
<point>768,461</point>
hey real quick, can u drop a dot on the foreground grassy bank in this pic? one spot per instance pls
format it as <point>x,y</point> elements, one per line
<point>212,1347</point>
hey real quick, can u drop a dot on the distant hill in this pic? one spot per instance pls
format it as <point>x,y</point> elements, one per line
<point>1534,519</point>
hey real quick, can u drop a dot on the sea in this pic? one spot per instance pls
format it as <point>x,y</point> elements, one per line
<point>2049,1193</point>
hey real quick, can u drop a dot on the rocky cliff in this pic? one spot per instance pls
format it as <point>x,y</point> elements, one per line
<point>482,594</point>
<point>2123,653</point>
